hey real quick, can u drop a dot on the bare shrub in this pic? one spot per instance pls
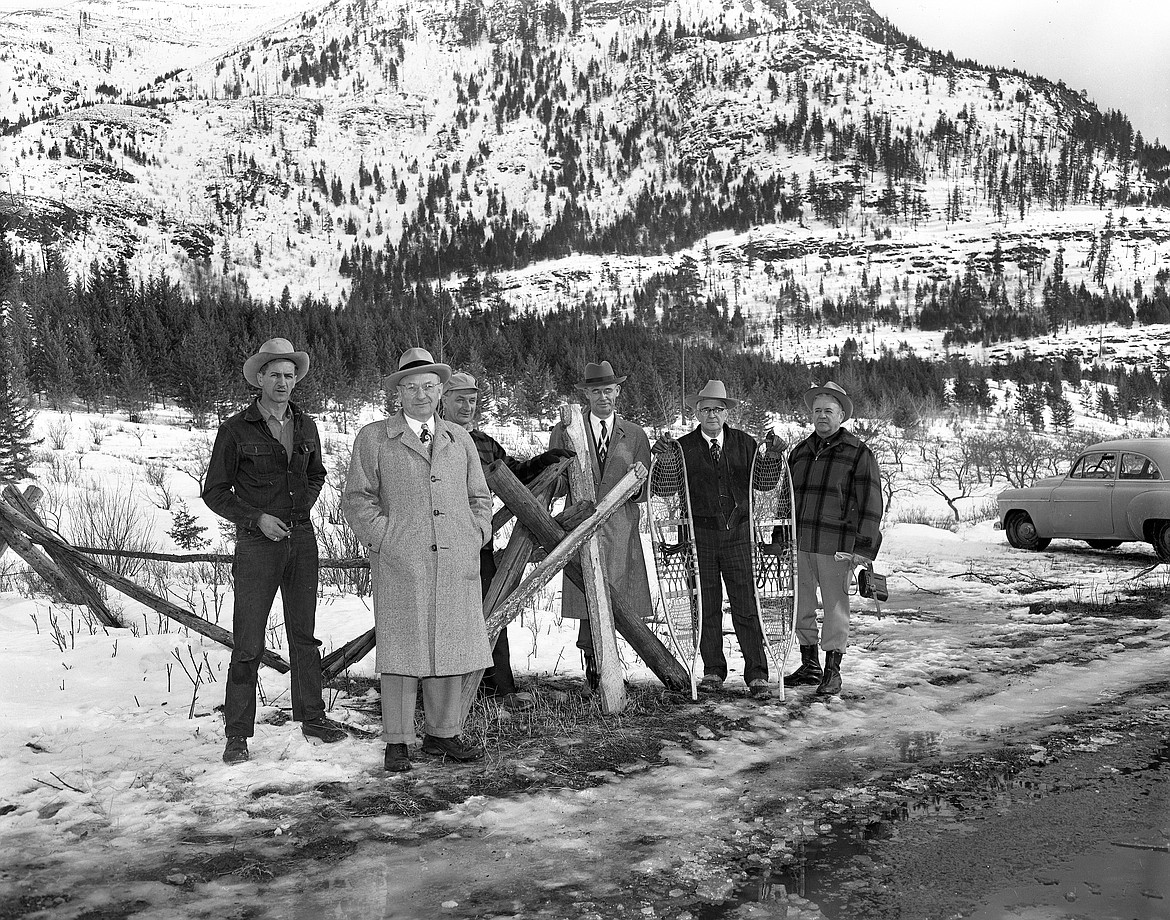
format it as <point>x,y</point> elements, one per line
<point>59,470</point>
<point>97,433</point>
<point>158,477</point>
<point>196,457</point>
<point>58,433</point>
<point>110,519</point>
<point>334,535</point>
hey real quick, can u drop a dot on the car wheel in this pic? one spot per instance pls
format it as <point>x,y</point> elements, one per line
<point>1021,533</point>
<point>1104,544</point>
<point>1162,542</point>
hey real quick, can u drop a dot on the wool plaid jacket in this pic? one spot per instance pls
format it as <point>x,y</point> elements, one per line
<point>838,495</point>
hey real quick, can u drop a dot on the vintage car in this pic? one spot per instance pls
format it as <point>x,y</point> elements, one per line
<point>1116,491</point>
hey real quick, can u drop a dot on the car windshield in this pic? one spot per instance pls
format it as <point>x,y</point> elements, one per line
<point>1095,465</point>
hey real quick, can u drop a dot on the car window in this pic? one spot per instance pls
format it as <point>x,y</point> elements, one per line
<point>1136,466</point>
<point>1097,465</point>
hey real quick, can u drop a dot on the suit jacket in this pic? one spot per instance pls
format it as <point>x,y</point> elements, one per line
<point>621,542</point>
<point>739,449</point>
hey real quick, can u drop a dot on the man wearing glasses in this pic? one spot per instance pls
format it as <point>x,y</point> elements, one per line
<point>615,445</point>
<point>718,460</point>
<point>416,498</point>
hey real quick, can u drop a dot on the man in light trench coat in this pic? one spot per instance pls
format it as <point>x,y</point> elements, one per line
<point>615,445</point>
<point>416,498</point>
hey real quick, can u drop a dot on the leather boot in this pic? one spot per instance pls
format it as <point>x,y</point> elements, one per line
<point>592,676</point>
<point>831,683</point>
<point>809,672</point>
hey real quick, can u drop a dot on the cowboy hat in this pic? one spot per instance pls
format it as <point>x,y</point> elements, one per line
<point>599,375</point>
<point>276,350</point>
<point>833,390</point>
<point>461,381</point>
<point>416,361</point>
<point>713,390</point>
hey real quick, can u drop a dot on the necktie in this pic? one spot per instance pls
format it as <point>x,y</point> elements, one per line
<point>715,452</point>
<point>425,437</point>
<point>602,446</point>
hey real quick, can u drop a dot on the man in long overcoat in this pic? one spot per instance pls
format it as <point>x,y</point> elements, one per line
<point>416,498</point>
<point>615,445</point>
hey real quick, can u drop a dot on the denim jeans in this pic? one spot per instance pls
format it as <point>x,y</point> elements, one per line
<point>260,567</point>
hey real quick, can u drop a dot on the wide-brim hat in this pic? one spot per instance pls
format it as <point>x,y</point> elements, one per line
<point>461,381</point>
<point>599,375</point>
<point>276,350</point>
<point>714,389</point>
<point>416,361</point>
<point>830,389</point>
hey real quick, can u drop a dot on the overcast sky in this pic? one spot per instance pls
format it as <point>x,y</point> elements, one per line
<point>1117,50</point>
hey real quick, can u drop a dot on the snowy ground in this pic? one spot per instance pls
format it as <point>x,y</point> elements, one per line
<point>109,783</point>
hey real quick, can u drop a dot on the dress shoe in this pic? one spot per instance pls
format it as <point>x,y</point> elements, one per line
<point>711,683</point>
<point>760,688</point>
<point>323,731</point>
<point>236,750</point>
<point>455,748</point>
<point>520,701</point>
<point>397,760</point>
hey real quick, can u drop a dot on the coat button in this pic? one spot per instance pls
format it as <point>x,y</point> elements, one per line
<point>436,514</point>
<point>434,548</point>
<point>434,479</point>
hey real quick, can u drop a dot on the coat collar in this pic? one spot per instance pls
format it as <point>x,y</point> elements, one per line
<point>253,413</point>
<point>397,427</point>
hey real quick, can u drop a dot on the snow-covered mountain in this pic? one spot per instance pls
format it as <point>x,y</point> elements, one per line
<point>762,156</point>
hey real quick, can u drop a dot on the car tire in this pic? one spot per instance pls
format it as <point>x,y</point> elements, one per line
<point>1161,541</point>
<point>1104,544</point>
<point>1021,533</point>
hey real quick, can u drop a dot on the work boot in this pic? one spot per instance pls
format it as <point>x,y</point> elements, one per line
<point>831,683</point>
<point>236,751</point>
<point>323,731</point>
<point>809,673</point>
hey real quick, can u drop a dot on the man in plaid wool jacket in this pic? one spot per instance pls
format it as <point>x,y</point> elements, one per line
<point>838,500</point>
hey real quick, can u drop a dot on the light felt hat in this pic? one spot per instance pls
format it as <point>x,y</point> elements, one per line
<point>416,361</point>
<point>599,375</point>
<point>276,350</point>
<point>833,390</point>
<point>713,390</point>
<point>461,381</point>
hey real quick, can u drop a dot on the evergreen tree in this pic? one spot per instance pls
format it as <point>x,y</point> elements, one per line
<point>16,419</point>
<point>185,530</point>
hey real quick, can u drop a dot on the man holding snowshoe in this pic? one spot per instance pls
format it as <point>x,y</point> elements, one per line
<point>718,462</point>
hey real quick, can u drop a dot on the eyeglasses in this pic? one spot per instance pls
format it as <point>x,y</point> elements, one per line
<point>711,410</point>
<point>415,388</point>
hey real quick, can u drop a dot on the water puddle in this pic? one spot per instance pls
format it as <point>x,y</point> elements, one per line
<point>847,868</point>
